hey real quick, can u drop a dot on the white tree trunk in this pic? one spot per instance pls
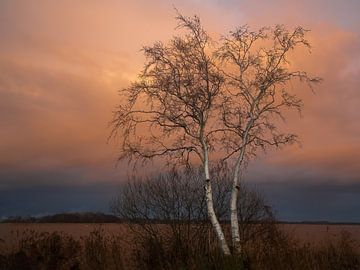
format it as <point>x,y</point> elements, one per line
<point>210,207</point>
<point>235,235</point>
<point>234,220</point>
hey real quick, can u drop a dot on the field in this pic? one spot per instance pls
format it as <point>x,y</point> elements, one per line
<point>306,233</point>
<point>315,233</point>
<point>111,246</point>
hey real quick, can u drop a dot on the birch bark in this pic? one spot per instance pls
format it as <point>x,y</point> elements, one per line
<point>234,220</point>
<point>210,204</point>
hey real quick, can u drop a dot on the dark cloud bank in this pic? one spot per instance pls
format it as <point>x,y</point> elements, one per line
<point>294,199</point>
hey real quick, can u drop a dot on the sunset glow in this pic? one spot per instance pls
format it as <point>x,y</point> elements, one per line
<point>63,62</point>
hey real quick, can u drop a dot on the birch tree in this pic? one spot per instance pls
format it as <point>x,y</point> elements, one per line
<point>170,111</point>
<point>257,69</point>
<point>193,98</point>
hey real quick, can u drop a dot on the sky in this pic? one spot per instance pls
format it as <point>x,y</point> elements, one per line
<point>63,62</point>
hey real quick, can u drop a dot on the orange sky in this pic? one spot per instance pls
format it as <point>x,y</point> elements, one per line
<point>62,62</point>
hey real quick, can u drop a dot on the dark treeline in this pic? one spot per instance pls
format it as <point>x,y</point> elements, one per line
<point>98,217</point>
<point>86,217</point>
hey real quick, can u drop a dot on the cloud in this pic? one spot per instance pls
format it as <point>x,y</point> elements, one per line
<point>61,65</point>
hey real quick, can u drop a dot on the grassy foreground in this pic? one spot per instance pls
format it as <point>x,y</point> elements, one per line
<point>173,250</point>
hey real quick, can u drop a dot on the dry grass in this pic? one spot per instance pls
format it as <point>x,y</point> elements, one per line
<point>45,250</point>
<point>101,250</point>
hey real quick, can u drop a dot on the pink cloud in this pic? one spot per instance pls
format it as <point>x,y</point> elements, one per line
<point>62,64</point>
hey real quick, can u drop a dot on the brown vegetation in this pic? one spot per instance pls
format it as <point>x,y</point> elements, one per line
<point>100,250</point>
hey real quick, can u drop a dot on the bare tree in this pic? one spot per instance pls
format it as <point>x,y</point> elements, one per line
<point>166,212</point>
<point>257,71</point>
<point>256,216</point>
<point>170,111</point>
<point>193,98</point>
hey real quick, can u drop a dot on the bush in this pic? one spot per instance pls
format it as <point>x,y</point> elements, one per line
<point>60,251</point>
<point>101,250</point>
<point>43,251</point>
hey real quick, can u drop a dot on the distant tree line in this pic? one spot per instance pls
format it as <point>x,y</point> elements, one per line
<point>86,217</point>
